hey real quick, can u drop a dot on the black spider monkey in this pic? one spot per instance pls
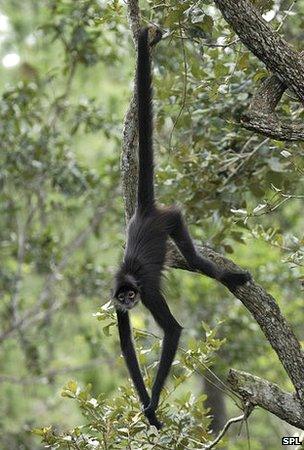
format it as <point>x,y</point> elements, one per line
<point>140,272</point>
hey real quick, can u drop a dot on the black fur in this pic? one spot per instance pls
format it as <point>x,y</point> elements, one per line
<point>145,191</point>
<point>144,258</point>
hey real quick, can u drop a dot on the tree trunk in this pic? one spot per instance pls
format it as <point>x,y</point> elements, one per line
<point>216,402</point>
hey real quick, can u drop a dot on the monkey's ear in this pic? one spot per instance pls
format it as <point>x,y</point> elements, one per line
<point>154,35</point>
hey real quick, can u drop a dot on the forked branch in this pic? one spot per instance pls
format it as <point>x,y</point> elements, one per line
<point>262,118</point>
<point>280,58</point>
<point>268,396</point>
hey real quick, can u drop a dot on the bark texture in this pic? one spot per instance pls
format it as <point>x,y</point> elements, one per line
<point>216,402</point>
<point>258,36</point>
<point>286,64</point>
<point>261,116</point>
<point>267,395</point>
<point>128,160</point>
<point>267,314</point>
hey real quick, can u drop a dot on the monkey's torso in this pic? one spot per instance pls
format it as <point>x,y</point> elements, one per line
<point>145,251</point>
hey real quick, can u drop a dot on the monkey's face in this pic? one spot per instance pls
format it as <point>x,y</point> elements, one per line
<point>126,298</point>
<point>155,35</point>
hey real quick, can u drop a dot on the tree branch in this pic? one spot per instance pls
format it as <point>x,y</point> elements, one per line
<point>128,161</point>
<point>272,126</point>
<point>267,314</point>
<point>261,116</point>
<point>279,57</point>
<point>259,37</point>
<point>228,425</point>
<point>268,396</point>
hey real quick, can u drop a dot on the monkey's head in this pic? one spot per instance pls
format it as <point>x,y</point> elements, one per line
<point>154,35</point>
<point>126,292</point>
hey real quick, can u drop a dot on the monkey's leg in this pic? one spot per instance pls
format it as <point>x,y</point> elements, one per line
<point>178,231</point>
<point>158,307</point>
<point>129,354</point>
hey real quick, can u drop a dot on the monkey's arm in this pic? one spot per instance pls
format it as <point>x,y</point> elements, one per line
<point>158,307</point>
<point>129,354</point>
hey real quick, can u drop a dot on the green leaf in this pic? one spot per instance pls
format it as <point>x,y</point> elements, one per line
<point>207,24</point>
<point>243,61</point>
<point>220,70</point>
<point>72,386</point>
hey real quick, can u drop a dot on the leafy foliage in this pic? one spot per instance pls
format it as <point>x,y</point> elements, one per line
<point>61,218</point>
<point>118,423</point>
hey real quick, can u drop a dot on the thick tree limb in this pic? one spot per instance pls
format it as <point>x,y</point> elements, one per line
<point>267,395</point>
<point>128,161</point>
<point>261,116</point>
<point>268,95</point>
<point>280,57</point>
<point>267,314</point>
<point>261,305</point>
<point>264,42</point>
<point>272,126</point>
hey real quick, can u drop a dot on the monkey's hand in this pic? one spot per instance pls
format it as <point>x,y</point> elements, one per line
<point>151,416</point>
<point>234,279</point>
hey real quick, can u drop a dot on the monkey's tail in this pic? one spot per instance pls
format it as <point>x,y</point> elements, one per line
<point>145,191</point>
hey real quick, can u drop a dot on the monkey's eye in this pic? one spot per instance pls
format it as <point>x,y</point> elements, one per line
<point>121,296</point>
<point>131,294</point>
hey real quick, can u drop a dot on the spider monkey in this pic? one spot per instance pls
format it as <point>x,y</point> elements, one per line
<point>139,275</point>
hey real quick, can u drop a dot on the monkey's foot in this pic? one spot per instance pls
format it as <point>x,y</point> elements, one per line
<point>234,279</point>
<point>151,416</point>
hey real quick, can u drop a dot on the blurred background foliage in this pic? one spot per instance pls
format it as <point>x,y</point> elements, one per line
<point>66,78</point>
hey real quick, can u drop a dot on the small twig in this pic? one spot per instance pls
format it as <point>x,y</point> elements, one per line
<point>22,230</point>
<point>237,156</point>
<point>197,41</point>
<point>286,15</point>
<point>184,97</point>
<point>57,103</point>
<point>248,156</point>
<point>248,410</point>
<point>214,45</point>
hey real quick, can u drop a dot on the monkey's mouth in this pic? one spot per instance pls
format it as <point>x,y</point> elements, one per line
<point>126,305</point>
